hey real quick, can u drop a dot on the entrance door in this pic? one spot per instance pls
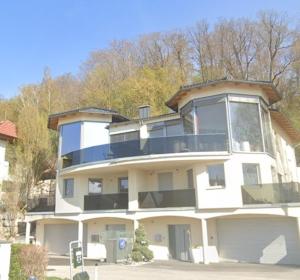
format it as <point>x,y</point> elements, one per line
<point>180,242</point>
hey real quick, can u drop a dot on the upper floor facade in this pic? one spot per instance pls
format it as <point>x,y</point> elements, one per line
<point>222,146</point>
<point>7,134</point>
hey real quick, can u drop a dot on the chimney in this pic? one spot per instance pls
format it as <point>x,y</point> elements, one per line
<point>144,112</point>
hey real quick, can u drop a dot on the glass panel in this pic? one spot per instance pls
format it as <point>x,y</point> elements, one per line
<point>245,122</point>
<point>211,119</point>
<point>267,131</point>
<point>156,130</point>
<point>123,184</point>
<point>216,175</point>
<point>251,174</point>
<point>95,186</point>
<point>70,137</point>
<point>68,187</point>
<point>188,122</point>
<point>122,137</point>
<point>174,128</point>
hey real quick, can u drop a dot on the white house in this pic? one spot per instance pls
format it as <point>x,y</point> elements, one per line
<point>218,174</point>
<point>8,133</point>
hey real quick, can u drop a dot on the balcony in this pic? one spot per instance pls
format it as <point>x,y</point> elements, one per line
<point>164,199</point>
<point>106,201</point>
<point>150,146</point>
<point>271,193</point>
<point>41,204</point>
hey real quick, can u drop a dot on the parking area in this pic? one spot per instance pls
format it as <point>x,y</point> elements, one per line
<point>175,270</point>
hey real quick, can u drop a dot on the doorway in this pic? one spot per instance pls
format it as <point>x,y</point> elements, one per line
<point>180,242</point>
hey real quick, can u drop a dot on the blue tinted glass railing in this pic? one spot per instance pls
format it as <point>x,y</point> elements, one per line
<point>149,146</point>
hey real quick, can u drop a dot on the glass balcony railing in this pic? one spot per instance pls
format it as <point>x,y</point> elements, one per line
<point>149,146</point>
<point>170,198</point>
<point>106,201</point>
<point>271,193</point>
<point>41,204</point>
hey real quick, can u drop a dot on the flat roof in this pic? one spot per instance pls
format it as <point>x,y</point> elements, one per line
<point>266,86</point>
<point>54,118</point>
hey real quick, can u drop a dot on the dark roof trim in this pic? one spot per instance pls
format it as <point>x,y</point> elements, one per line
<point>268,87</point>
<point>53,118</point>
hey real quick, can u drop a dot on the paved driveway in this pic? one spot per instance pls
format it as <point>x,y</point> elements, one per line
<point>173,270</point>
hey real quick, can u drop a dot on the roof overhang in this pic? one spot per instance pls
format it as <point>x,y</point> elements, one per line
<point>285,123</point>
<point>54,118</point>
<point>267,87</point>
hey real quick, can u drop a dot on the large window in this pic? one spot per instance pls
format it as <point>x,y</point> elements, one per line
<point>70,137</point>
<point>211,117</point>
<point>122,137</point>
<point>95,186</point>
<point>216,175</point>
<point>167,128</point>
<point>68,190</point>
<point>188,118</point>
<point>251,174</point>
<point>246,130</point>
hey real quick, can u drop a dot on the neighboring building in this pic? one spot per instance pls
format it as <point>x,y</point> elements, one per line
<point>8,133</point>
<point>218,174</point>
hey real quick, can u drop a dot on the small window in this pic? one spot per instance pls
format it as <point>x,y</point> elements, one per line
<point>216,175</point>
<point>156,130</point>
<point>190,178</point>
<point>95,238</point>
<point>123,185</point>
<point>68,187</point>
<point>95,185</point>
<point>251,174</point>
<point>123,137</point>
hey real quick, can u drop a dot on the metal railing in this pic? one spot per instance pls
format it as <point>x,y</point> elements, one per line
<point>271,193</point>
<point>161,145</point>
<point>106,201</point>
<point>170,198</point>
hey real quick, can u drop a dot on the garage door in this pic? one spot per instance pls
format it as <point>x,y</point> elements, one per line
<point>259,240</point>
<point>58,236</point>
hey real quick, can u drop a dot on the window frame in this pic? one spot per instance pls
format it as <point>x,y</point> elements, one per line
<point>259,181</point>
<point>95,193</point>
<point>119,184</point>
<point>208,175</point>
<point>65,195</point>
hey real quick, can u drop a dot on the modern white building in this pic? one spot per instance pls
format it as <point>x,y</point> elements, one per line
<point>215,180</point>
<point>7,134</point>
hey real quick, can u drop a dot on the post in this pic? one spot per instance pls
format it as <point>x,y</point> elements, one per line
<point>27,234</point>
<point>80,231</point>
<point>204,241</point>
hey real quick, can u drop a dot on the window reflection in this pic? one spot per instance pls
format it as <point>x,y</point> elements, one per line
<point>70,137</point>
<point>245,124</point>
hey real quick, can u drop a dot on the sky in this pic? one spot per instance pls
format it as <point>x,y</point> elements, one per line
<point>60,34</point>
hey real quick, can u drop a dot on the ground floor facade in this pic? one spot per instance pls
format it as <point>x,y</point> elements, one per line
<point>269,235</point>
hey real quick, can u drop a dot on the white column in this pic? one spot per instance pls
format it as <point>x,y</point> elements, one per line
<point>27,234</point>
<point>204,241</point>
<point>135,224</point>
<point>133,181</point>
<point>298,227</point>
<point>80,231</point>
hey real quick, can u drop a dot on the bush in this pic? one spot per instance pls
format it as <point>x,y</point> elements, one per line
<point>15,271</point>
<point>26,261</point>
<point>140,251</point>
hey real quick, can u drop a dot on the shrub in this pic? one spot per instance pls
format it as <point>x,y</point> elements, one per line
<point>15,271</point>
<point>140,251</point>
<point>27,260</point>
<point>33,261</point>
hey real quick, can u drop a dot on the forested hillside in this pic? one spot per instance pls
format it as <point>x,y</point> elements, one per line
<point>150,69</point>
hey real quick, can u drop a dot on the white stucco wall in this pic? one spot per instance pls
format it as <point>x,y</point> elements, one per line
<point>5,249</point>
<point>4,165</point>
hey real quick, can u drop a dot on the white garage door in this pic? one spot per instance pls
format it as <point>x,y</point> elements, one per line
<point>259,240</point>
<point>58,236</point>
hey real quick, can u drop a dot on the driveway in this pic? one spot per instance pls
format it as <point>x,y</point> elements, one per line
<point>174,270</point>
